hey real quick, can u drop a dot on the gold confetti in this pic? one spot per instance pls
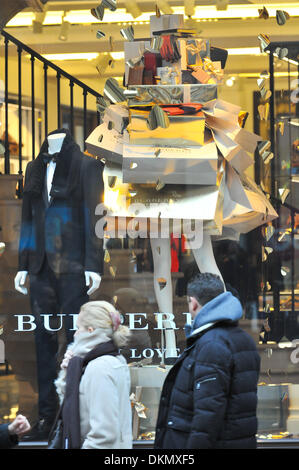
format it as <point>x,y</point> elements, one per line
<point>267,157</point>
<point>133,165</point>
<point>281,127</point>
<point>162,282</point>
<point>112,181</point>
<point>159,185</point>
<point>107,256</point>
<point>263,13</point>
<point>284,194</point>
<point>264,41</point>
<point>269,231</point>
<point>2,248</point>
<point>266,94</point>
<point>100,34</point>
<point>281,52</point>
<point>112,270</point>
<point>263,110</point>
<point>281,17</point>
<point>261,82</point>
<point>264,146</point>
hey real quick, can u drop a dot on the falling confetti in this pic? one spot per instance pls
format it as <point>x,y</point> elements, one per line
<point>2,248</point>
<point>162,282</point>
<point>269,231</point>
<point>263,13</point>
<point>107,256</point>
<point>281,17</point>
<point>281,52</point>
<point>159,185</point>
<point>112,270</point>
<point>100,34</point>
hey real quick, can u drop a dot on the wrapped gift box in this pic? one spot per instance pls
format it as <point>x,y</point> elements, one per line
<point>117,117</point>
<point>134,51</point>
<point>151,207</point>
<point>168,76</point>
<point>193,51</point>
<point>105,143</point>
<point>167,94</point>
<point>185,165</point>
<point>165,23</point>
<point>183,130</point>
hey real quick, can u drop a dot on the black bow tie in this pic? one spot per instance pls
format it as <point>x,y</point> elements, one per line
<point>50,157</point>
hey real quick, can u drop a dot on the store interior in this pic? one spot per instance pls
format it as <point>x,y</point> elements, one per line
<point>262,267</point>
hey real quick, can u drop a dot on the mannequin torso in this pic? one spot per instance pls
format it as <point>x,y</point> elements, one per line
<point>55,142</point>
<point>93,279</point>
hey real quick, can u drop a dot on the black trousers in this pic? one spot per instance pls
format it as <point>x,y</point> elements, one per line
<point>52,294</point>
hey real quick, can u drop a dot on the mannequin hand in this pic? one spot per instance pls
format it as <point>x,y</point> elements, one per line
<point>95,279</point>
<point>19,426</point>
<point>20,280</point>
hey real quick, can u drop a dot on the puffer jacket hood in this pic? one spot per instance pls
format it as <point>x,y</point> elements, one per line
<point>224,307</point>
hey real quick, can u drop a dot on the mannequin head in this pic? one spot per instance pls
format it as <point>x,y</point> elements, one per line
<point>99,314</point>
<point>201,289</point>
<point>55,142</point>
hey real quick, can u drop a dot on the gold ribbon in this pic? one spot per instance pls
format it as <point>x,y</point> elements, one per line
<point>209,66</point>
<point>196,48</point>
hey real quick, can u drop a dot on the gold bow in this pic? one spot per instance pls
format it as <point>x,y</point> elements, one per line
<point>213,69</point>
<point>196,48</point>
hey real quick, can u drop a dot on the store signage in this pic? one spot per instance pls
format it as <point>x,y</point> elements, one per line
<point>137,321</point>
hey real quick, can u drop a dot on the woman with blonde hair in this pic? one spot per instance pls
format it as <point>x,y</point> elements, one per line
<point>94,382</point>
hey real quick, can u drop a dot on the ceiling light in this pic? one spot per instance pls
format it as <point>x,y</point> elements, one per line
<point>118,55</point>
<point>64,29</point>
<point>133,8</point>
<point>230,82</point>
<point>71,56</point>
<point>164,6</point>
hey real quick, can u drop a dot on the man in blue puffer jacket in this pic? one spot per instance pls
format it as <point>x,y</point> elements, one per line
<point>209,397</point>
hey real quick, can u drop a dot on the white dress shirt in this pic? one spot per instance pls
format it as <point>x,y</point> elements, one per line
<point>49,177</point>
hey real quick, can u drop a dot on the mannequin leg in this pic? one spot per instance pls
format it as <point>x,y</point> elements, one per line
<point>163,290</point>
<point>204,257</point>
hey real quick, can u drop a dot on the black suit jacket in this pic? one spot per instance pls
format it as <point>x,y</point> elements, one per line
<point>64,229</point>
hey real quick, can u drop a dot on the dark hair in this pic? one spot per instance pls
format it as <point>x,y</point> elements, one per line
<point>205,287</point>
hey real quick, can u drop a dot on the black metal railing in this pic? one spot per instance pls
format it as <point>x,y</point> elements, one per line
<point>60,73</point>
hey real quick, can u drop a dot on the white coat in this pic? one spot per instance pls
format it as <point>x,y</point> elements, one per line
<point>105,407</point>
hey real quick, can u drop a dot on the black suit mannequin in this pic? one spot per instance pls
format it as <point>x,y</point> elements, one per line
<point>59,250</point>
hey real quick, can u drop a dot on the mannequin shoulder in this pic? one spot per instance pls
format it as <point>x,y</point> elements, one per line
<point>92,164</point>
<point>28,169</point>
